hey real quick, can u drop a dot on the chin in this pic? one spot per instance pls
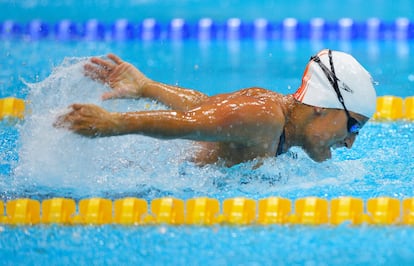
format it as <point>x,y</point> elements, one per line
<point>320,156</point>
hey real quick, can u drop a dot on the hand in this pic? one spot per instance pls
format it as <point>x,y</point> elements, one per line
<point>125,80</point>
<point>89,120</point>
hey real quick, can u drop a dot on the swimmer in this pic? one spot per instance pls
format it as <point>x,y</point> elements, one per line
<point>335,100</point>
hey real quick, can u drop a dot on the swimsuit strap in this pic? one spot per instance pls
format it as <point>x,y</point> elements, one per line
<point>281,142</point>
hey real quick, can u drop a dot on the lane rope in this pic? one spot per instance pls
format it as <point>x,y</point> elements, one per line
<point>207,29</point>
<point>205,211</point>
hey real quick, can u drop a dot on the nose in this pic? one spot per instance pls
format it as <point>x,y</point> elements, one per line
<point>349,141</point>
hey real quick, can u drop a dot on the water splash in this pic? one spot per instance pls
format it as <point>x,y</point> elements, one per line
<point>57,158</point>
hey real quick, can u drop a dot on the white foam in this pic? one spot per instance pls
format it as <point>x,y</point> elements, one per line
<point>56,157</point>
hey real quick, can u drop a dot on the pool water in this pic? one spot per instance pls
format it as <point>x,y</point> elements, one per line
<point>42,162</point>
<point>24,10</point>
<point>39,161</point>
<point>274,245</point>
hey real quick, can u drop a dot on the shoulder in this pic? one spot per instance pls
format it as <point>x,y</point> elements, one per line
<point>254,103</point>
<point>252,91</point>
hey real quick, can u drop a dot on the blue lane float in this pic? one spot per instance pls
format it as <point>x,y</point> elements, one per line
<point>149,29</point>
<point>37,29</point>
<point>262,29</point>
<point>403,28</point>
<point>206,28</point>
<point>123,30</point>
<point>178,29</point>
<point>10,29</point>
<point>316,29</point>
<point>67,30</point>
<point>235,28</point>
<point>94,30</point>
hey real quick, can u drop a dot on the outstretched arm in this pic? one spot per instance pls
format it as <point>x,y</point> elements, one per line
<point>246,123</point>
<point>126,81</point>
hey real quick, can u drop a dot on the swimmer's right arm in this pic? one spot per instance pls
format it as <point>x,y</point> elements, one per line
<point>249,123</point>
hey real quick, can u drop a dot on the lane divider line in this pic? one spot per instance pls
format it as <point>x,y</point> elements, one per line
<point>203,211</point>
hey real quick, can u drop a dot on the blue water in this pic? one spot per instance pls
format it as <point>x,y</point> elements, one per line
<point>39,162</point>
<point>25,10</point>
<point>274,245</point>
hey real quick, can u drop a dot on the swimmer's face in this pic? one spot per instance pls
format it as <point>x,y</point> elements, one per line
<point>329,130</point>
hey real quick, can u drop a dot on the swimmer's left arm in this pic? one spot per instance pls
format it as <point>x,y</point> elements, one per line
<point>125,80</point>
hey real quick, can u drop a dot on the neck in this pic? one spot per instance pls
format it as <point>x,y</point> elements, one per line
<point>297,116</point>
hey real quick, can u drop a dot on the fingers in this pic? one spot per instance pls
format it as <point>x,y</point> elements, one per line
<point>77,106</point>
<point>66,120</point>
<point>110,95</point>
<point>96,72</point>
<point>62,121</point>
<point>115,58</point>
<point>99,66</point>
<point>104,66</point>
<point>107,64</point>
<point>99,69</point>
<point>77,120</point>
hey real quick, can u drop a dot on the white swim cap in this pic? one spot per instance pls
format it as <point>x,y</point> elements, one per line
<point>354,82</point>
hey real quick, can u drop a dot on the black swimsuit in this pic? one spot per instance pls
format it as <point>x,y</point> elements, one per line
<point>279,150</point>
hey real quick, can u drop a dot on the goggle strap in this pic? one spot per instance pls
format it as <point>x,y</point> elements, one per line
<point>333,79</point>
